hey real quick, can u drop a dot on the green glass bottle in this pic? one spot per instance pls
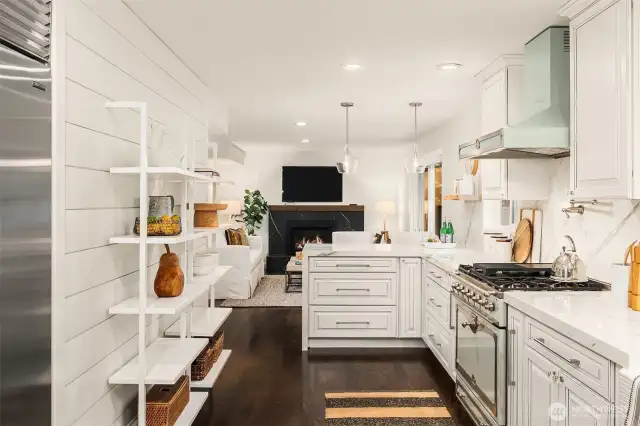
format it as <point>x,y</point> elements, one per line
<point>443,230</point>
<point>450,231</point>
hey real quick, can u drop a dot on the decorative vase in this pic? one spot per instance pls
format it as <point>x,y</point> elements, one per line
<point>169,280</point>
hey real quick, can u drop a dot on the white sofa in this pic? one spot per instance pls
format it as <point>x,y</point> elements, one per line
<point>248,268</point>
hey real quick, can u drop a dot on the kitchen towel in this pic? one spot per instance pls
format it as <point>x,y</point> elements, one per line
<point>632,416</point>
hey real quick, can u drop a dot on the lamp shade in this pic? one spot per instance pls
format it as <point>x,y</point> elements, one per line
<point>234,206</point>
<point>386,207</point>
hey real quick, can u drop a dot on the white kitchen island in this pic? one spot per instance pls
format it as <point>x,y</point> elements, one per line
<point>362,296</point>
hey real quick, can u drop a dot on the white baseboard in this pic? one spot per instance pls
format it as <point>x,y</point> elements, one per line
<point>366,343</point>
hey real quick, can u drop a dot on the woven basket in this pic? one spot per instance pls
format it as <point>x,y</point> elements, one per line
<point>206,214</point>
<point>209,355</point>
<point>159,230</point>
<point>166,403</point>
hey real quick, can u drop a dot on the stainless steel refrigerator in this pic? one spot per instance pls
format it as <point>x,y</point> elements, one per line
<point>25,213</point>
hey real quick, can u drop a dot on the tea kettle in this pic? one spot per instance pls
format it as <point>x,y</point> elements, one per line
<point>568,267</point>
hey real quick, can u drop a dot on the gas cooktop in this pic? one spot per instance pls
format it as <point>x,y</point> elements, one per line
<point>524,277</point>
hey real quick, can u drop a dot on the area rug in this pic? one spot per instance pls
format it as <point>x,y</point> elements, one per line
<point>411,408</point>
<point>269,293</point>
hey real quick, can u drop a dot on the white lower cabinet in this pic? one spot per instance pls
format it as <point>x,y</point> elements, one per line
<point>541,392</point>
<point>409,305</point>
<point>583,407</point>
<point>539,388</point>
<point>353,321</point>
<point>437,324</point>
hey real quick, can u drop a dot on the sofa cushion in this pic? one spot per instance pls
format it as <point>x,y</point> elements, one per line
<point>255,257</point>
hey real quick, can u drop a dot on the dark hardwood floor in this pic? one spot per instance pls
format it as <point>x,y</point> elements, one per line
<point>269,381</point>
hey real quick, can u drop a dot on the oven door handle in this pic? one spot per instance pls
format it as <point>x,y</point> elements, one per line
<point>512,342</point>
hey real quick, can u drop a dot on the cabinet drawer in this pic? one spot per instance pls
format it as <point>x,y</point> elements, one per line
<point>585,365</point>
<point>353,321</point>
<point>353,264</point>
<point>438,275</point>
<point>438,304</point>
<point>352,289</point>
<point>439,341</point>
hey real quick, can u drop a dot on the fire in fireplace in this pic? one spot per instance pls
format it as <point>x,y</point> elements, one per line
<point>309,235</point>
<point>315,240</point>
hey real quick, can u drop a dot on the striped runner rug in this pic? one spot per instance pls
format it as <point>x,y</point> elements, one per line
<point>413,408</point>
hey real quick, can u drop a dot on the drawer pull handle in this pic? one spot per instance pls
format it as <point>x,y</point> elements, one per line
<point>352,322</point>
<point>353,265</point>
<point>574,362</point>
<point>353,289</point>
<point>434,274</point>
<point>433,302</point>
<point>432,337</point>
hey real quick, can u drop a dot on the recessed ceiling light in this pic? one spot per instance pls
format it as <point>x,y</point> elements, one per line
<point>351,67</point>
<point>448,66</point>
<point>304,141</point>
<point>301,123</point>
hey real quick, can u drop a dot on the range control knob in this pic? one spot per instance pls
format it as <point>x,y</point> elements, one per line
<point>476,298</point>
<point>490,307</point>
<point>482,301</point>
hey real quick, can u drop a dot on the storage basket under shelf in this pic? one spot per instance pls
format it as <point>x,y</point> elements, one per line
<point>166,403</point>
<point>209,355</point>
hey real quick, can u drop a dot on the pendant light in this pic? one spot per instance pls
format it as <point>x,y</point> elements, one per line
<point>415,164</point>
<point>349,164</point>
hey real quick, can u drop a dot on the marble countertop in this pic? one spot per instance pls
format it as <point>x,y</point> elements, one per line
<point>448,259</point>
<point>599,321</point>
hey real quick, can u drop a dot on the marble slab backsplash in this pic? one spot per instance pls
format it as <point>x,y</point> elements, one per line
<point>601,235</point>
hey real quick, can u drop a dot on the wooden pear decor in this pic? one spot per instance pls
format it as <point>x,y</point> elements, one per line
<point>169,280</point>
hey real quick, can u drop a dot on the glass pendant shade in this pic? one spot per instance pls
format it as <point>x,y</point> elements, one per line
<point>349,164</point>
<point>415,164</point>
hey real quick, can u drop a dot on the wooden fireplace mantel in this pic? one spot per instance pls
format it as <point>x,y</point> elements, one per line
<point>316,208</point>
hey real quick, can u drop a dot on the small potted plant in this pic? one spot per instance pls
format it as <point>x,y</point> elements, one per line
<point>255,207</point>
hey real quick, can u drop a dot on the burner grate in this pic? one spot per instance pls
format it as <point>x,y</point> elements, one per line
<point>507,277</point>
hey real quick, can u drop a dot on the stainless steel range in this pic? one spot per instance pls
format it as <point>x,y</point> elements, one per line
<point>481,336</point>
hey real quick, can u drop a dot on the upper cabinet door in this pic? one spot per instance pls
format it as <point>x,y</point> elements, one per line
<point>601,101</point>
<point>494,117</point>
<point>494,103</point>
<point>494,179</point>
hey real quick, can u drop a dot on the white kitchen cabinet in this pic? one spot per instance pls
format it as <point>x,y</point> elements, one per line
<point>501,107</point>
<point>583,407</point>
<point>540,389</point>
<point>601,98</point>
<point>410,303</point>
<point>515,354</point>
<point>425,300</point>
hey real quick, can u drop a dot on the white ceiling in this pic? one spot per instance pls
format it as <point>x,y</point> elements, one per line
<point>275,62</point>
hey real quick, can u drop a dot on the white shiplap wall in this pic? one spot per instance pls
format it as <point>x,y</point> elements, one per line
<point>108,54</point>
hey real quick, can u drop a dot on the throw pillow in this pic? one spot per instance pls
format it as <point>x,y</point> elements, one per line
<point>235,237</point>
<point>243,237</point>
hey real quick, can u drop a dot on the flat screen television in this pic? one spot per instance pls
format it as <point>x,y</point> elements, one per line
<point>311,184</point>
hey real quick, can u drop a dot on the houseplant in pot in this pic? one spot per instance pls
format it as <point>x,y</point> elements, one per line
<point>253,211</point>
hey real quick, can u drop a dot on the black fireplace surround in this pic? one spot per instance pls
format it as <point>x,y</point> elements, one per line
<point>290,226</point>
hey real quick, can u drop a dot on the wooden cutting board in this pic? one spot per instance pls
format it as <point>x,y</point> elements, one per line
<point>522,241</point>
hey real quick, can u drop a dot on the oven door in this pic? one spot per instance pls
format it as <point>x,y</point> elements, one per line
<point>481,360</point>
